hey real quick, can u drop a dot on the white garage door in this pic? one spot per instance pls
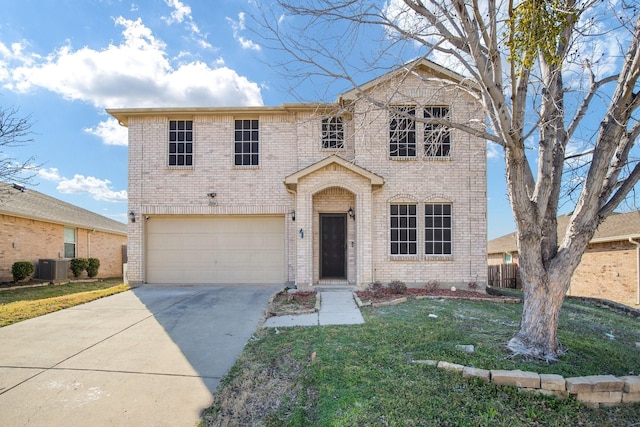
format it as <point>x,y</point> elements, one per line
<point>221,249</point>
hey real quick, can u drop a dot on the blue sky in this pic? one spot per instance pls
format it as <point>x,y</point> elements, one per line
<point>64,62</point>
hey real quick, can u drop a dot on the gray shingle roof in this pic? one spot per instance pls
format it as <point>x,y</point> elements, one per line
<point>618,226</point>
<point>35,205</point>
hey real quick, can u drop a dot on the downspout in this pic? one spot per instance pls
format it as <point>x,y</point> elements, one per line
<point>637,269</point>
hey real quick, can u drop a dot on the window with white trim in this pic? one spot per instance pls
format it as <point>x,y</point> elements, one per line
<point>404,229</point>
<point>246,146</point>
<point>402,131</point>
<point>437,229</point>
<point>180,143</point>
<point>69,242</point>
<point>332,133</point>
<point>437,137</point>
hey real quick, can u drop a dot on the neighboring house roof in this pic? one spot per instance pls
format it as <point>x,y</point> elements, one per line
<point>618,226</point>
<point>31,204</point>
<point>292,180</point>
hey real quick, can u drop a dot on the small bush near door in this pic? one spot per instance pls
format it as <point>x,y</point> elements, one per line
<point>93,264</point>
<point>21,270</point>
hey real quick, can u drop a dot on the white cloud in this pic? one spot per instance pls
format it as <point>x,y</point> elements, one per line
<point>50,174</point>
<point>181,14</point>
<point>134,73</point>
<point>494,151</point>
<point>180,11</point>
<point>239,26</point>
<point>97,188</point>
<point>111,132</point>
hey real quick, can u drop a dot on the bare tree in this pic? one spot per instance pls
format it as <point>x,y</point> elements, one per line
<point>15,131</point>
<point>558,82</point>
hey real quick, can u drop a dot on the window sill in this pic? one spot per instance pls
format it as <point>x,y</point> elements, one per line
<point>181,167</point>
<point>333,150</point>
<point>437,159</point>
<point>403,158</point>
<point>248,167</point>
<point>446,258</point>
<point>404,258</point>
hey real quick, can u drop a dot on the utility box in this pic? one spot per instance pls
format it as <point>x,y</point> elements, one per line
<point>53,269</point>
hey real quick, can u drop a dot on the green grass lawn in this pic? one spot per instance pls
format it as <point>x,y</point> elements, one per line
<point>28,302</point>
<point>364,376</point>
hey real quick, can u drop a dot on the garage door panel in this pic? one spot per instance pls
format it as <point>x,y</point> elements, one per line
<point>233,249</point>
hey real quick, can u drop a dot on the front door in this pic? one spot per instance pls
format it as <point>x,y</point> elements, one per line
<point>333,246</point>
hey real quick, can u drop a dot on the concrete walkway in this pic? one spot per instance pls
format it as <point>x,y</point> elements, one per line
<point>152,356</point>
<point>336,308</point>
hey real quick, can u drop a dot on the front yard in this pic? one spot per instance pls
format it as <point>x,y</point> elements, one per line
<point>32,301</point>
<point>365,376</point>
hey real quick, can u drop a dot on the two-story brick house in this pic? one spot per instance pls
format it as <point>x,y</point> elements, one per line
<point>307,194</point>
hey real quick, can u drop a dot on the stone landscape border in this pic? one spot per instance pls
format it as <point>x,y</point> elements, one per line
<point>593,390</point>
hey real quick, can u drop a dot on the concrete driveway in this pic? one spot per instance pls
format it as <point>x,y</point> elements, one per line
<point>148,357</point>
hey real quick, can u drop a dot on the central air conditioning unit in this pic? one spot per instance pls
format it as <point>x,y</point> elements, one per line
<point>53,269</point>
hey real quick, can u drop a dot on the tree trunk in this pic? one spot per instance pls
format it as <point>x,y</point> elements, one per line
<point>544,292</point>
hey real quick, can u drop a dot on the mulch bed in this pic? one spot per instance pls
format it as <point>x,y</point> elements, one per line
<point>386,295</point>
<point>284,303</point>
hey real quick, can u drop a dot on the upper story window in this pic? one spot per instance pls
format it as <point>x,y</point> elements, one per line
<point>437,229</point>
<point>437,137</point>
<point>402,132</point>
<point>69,242</point>
<point>332,133</point>
<point>247,138</point>
<point>180,143</point>
<point>404,229</point>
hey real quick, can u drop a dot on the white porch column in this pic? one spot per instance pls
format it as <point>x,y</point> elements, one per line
<point>364,241</point>
<point>304,239</point>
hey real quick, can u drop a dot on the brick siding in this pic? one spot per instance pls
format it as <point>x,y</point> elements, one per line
<point>32,240</point>
<point>609,271</point>
<point>290,140</point>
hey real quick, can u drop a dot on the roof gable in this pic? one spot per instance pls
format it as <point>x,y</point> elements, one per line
<point>35,205</point>
<point>291,181</point>
<point>424,67</point>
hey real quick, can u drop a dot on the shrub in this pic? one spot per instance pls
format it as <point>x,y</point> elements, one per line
<point>431,285</point>
<point>473,285</point>
<point>78,265</point>
<point>93,264</point>
<point>375,287</point>
<point>21,270</point>
<point>397,287</point>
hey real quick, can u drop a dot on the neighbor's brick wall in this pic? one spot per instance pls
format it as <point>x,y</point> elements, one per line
<point>607,270</point>
<point>32,240</point>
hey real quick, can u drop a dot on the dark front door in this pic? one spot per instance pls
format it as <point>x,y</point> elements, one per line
<point>333,246</point>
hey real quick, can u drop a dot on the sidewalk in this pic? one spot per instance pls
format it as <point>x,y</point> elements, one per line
<point>336,308</point>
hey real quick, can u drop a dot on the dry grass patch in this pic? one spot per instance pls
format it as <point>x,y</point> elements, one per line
<point>256,394</point>
<point>18,311</point>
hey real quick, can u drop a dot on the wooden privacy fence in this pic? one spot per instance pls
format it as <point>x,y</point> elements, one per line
<point>504,276</point>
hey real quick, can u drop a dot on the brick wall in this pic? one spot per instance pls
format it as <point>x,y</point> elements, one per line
<point>609,271</point>
<point>290,140</point>
<point>32,240</point>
